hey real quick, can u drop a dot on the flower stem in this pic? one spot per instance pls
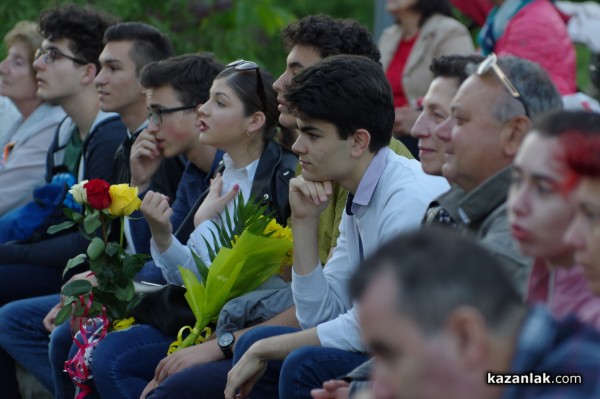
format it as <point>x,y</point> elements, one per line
<point>122,231</point>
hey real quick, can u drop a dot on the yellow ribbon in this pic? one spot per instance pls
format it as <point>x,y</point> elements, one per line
<point>198,337</point>
<point>123,324</point>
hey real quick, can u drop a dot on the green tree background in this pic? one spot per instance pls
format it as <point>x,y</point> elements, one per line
<point>230,29</point>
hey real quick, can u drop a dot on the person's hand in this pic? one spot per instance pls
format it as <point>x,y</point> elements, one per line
<point>404,120</point>
<point>144,160</point>
<point>242,377</point>
<point>332,389</point>
<point>205,352</point>
<point>157,211</point>
<point>151,385</point>
<point>214,203</point>
<point>50,319</point>
<point>308,199</point>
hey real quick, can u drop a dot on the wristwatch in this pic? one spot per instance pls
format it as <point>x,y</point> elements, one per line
<point>225,342</point>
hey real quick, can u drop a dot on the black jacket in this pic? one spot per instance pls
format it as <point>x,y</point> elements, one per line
<point>276,168</point>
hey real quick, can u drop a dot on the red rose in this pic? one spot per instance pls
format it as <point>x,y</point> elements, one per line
<point>98,195</point>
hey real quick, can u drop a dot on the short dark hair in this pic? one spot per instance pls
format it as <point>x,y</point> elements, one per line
<point>453,66</point>
<point>579,135</point>
<point>349,91</point>
<point>427,8</point>
<point>149,44</point>
<point>331,36</point>
<point>438,271</point>
<point>190,75</point>
<point>245,84</point>
<point>84,27</point>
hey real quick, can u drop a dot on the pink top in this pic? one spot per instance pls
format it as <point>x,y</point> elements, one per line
<point>564,290</point>
<point>538,33</point>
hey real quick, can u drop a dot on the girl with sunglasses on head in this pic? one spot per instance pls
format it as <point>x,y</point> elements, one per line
<point>239,117</point>
<point>540,212</point>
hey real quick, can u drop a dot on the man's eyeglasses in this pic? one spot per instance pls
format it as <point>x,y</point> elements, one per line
<point>491,62</point>
<point>155,114</point>
<point>243,65</point>
<point>51,54</point>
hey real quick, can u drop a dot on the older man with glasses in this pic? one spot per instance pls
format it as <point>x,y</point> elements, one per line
<point>491,114</point>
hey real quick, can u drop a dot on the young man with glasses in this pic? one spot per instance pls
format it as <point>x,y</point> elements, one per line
<point>84,146</point>
<point>491,114</point>
<point>174,88</point>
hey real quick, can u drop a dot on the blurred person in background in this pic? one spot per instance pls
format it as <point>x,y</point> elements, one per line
<point>424,29</point>
<point>26,142</point>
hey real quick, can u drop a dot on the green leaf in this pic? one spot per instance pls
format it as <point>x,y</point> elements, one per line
<point>73,262</point>
<point>111,249</point>
<point>60,227</point>
<point>77,288</point>
<point>202,268</point>
<point>125,293</point>
<point>132,265</point>
<point>63,315</point>
<point>95,248</point>
<point>92,223</point>
<point>73,215</point>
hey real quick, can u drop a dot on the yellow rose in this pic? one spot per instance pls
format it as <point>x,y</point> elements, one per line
<point>78,192</point>
<point>124,200</point>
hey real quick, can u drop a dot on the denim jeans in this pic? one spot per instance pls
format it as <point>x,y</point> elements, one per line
<point>206,381</point>
<point>20,281</point>
<point>24,340</point>
<point>124,361</point>
<point>302,370</point>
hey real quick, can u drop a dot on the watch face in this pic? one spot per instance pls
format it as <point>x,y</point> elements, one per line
<point>226,339</point>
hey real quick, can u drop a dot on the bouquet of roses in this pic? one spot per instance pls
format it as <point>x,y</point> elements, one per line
<point>249,247</point>
<point>107,303</point>
<point>112,267</point>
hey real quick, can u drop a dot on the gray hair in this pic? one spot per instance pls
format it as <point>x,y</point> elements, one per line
<point>533,83</point>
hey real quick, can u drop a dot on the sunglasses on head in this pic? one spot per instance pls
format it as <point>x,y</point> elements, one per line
<point>491,63</point>
<point>243,65</point>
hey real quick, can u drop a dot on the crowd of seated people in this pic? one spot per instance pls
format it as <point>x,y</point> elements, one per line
<point>461,262</point>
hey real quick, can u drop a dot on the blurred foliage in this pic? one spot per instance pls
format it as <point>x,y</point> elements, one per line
<point>230,29</point>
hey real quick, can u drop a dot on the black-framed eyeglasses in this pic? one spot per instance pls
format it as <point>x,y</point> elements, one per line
<point>51,54</point>
<point>155,114</point>
<point>243,65</point>
<point>491,62</point>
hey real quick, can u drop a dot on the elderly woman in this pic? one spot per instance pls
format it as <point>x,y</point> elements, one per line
<point>424,30</point>
<point>23,160</point>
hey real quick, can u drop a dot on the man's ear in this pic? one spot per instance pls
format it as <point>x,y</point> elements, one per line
<point>89,74</point>
<point>471,335</point>
<point>513,135</point>
<point>256,121</point>
<point>361,139</point>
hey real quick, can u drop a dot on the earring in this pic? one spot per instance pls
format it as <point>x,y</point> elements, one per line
<point>248,133</point>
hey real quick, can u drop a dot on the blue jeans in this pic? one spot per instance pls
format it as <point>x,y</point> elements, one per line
<point>124,361</point>
<point>302,370</point>
<point>24,340</point>
<point>20,281</point>
<point>206,381</point>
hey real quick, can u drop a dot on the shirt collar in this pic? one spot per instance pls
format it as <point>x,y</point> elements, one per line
<point>369,181</point>
<point>249,169</point>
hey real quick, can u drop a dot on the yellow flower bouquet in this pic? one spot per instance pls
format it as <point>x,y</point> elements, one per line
<point>249,247</point>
